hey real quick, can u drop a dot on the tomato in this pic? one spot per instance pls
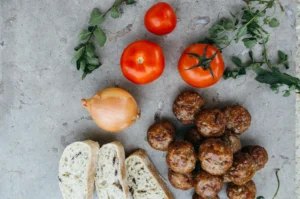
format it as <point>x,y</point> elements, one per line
<point>201,65</point>
<point>160,19</point>
<point>142,62</point>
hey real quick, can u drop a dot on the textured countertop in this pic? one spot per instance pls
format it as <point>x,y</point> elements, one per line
<point>40,91</point>
<point>298,104</point>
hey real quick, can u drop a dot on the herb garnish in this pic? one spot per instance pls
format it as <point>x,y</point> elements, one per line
<point>278,186</point>
<point>85,56</point>
<point>250,29</point>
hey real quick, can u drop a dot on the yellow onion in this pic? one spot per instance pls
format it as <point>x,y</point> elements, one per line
<point>112,109</point>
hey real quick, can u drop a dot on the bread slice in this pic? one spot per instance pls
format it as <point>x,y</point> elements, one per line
<point>77,168</point>
<point>143,179</point>
<point>111,178</point>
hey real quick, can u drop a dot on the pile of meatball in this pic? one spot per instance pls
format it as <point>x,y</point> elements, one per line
<point>214,144</point>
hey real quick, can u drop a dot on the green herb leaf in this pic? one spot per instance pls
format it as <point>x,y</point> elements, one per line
<point>223,40</point>
<point>283,59</point>
<point>78,54</point>
<point>114,12</point>
<point>237,61</point>
<point>250,42</point>
<point>286,94</point>
<point>274,23</point>
<point>128,2</point>
<point>90,49</point>
<point>93,67</point>
<point>227,24</point>
<point>100,36</point>
<point>215,30</point>
<point>241,32</point>
<point>96,17</point>
<point>91,28</point>
<point>234,73</point>
<point>78,64</point>
<point>84,74</point>
<point>79,46</point>
<point>282,56</point>
<point>251,55</point>
<point>84,34</point>
<point>82,65</point>
<point>276,78</point>
<point>91,60</point>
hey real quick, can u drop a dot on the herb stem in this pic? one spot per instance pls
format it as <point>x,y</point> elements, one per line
<point>266,54</point>
<point>278,183</point>
<point>104,14</point>
<point>257,14</point>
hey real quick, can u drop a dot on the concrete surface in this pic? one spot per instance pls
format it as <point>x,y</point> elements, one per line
<point>298,104</point>
<point>40,90</point>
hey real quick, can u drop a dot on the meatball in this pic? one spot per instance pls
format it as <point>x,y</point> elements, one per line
<point>211,123</point>
<point>215,156</point>
<point>238,119</point>
<point>193,136</point>
<point>160,135</point>
<point>242,170</point>
<point>207,185</point>
<point>186,105</point>
<point>181,181</point>
<point>246,191</point>
<point>259,155</point>
<point>233,141</point>
<point>181,157</point>
<point>196,196</point>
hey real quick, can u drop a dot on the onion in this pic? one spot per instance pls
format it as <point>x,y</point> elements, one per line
<point>112,109</point>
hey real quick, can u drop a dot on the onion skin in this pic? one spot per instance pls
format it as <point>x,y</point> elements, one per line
<point>112,109</point>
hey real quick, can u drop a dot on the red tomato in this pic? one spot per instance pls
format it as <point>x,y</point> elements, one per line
<point>142,62</point>
<point>160,19</point>
<point>193,69</point>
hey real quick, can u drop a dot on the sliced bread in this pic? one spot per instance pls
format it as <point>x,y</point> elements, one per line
<point>143,179</point>
<point>77,167</point>
<point>111,178</point>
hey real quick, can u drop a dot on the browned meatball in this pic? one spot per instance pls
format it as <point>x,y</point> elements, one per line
<point>238,119</point>
<point>181,157</point>
<point>207,185</point>
<point>211,123</point>
<point>242,170</point>
<point>259,155</point>
<point>160,135</point>
<point>193,136</point>
<point>181,181</point>
<point>196,196</point>
<point>233,141</point>
<point>246,191</point>
<point>215,156</point>
<point>186,105</point>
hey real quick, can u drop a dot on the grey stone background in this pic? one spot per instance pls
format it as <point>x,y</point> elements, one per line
<point>40,91</point>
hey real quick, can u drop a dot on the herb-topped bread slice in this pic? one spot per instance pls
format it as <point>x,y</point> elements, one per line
<point>111,178</point>
<point>77,168</point>
<point>143,179</point>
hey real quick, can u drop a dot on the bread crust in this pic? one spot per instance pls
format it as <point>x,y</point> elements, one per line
<point>91,168</point>
<point>140,153</point>
<point>121,156</point>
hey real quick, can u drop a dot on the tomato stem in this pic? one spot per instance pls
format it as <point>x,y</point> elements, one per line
<point>204,62</point>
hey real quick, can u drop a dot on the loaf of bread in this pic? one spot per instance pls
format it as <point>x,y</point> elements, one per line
<point>111,178</point>
<point>143,179</point>
<point>77,168</point>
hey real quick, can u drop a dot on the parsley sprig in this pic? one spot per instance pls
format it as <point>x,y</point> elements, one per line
<point>250,28</point>
<point>85,56</point>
